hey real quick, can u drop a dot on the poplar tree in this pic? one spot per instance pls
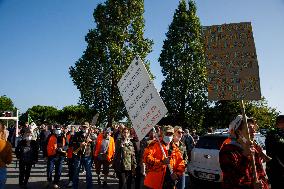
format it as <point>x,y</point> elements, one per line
<point>183,66</point>
<point>117,38</point>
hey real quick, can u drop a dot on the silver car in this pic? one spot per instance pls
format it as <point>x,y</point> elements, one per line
<point>204,164</point>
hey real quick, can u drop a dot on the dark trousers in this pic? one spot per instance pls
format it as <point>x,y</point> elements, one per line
<point>86,162</point>
<point>25,171</point>
<point>57,163</point>
<point>125,179</point>
<point>138,177</point>
<point>70,163</point>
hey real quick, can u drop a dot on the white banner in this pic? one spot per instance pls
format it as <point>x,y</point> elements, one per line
<point>142,101</point>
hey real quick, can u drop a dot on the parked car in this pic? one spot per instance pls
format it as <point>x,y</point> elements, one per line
<point>204,164</point>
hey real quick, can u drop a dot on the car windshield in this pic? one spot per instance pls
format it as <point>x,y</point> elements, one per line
<point>211,142</point>
<point>260,140</point>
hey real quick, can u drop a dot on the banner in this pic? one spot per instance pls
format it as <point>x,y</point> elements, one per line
<point>142,101</point>
<point>231,60</point>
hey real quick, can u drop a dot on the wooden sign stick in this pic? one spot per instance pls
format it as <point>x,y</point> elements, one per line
<point>250,141</point>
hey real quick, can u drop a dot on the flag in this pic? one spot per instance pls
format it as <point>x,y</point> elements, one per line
<point>29,119</point>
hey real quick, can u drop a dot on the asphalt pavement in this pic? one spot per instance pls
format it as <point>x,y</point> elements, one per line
<point>38,177</point>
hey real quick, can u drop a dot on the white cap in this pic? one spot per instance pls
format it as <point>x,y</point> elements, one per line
<point>235,124</point>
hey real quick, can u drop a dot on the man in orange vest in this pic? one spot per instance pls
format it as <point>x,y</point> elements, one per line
<point>163,172</point>
<point>103,154</point>
<point>55,155</point>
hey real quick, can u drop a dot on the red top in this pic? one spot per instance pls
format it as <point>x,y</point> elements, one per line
<point>237,169</point>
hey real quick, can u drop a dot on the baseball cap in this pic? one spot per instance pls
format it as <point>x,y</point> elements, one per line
<point>168,129</point>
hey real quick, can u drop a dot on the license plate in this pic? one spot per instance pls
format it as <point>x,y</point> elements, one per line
<point>207,176</point>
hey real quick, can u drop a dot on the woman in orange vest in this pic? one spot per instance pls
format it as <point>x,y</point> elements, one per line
<point>163,172</point>
<point>103,154</point>
<point>55,156</point>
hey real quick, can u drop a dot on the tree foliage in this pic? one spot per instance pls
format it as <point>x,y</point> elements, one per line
<point>6,104</point>
<point>40,115</point>
<point>222,113</point>
<point>183,65</point>
<point>117,38</point>
<point>74,115</point>
<point>264,115</point>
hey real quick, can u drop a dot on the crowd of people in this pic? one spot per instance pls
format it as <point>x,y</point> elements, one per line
<point>159,161</point>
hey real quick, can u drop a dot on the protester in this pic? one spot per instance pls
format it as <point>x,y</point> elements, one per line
<point>45,133</point>
<point>144,143</point>
<point>55,156</point>
<point>27,153</point>
<point>182,148</point>
<point>124,162</point>
<point>11,137</point>
<point>189,143</point>
<point>236,158</point>
<point>82,153</point>
<point>103,154</point>
<point>24,129</point>
<point>5,156</point>
<point>158,174</point>
<point>117,134</point>
<point>274,148</point>
<point>139,171</point>
<point>70,162</point>
<point>195,136</point>
<point>6,133</point>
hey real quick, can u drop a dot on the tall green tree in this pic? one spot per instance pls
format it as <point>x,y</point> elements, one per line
<point>117,38</point>
<point>183,65</point>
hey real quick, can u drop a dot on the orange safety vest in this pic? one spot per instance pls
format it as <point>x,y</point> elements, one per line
<point>70,149</point>
<point>156,170</point>
<point>226,141</point>
<point>111,147</point>
<point>52,145</point>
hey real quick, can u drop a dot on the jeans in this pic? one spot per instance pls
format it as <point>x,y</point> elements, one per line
<point>181,182</point>
<point>70,163</point>
<point>86,162</point>
<point>3,177</point>
<point>25,171</point>
<point>57,162</point>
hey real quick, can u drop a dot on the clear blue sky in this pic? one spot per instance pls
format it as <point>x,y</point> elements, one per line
<point>40,40</point>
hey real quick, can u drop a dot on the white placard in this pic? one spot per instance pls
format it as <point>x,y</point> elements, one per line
<point>142,101</point>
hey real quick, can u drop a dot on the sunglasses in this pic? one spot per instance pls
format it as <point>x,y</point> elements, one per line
<point>180,132</point>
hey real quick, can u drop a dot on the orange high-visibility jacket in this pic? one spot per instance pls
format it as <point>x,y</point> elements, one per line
<point>52,145</point>
<point>156,170</point>
<point>111,147</point>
